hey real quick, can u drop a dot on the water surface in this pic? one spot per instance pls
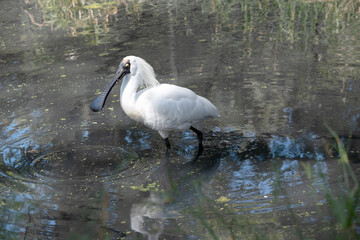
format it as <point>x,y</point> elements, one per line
<point>69,173</point>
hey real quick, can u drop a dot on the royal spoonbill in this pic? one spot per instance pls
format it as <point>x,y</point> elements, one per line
<point>162,107</point>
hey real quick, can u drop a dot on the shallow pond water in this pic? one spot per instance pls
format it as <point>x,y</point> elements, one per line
<point>69,173</point>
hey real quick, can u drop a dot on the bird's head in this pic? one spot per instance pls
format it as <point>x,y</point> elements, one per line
<point>131,66</point>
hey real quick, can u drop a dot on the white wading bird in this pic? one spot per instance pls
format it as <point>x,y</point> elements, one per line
<point>162,107</point>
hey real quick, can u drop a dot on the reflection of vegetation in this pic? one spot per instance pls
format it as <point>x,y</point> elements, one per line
<point>295,16</point>
<point>302,15</point>
<point>77,16</point>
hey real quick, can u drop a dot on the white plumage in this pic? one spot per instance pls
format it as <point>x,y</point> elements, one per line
<point>162,107</point>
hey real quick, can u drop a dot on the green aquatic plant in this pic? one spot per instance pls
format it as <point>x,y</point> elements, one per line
<point>221,220</point>
<point>344,200</point>
<point>343,204</point>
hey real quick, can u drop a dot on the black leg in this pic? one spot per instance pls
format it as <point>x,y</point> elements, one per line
<point>200,138</point>
<point>199,134</point>
<point>167,154</point>
<point>167,143</point>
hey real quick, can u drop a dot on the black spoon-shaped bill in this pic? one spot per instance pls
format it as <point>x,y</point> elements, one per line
<point>99,102</point>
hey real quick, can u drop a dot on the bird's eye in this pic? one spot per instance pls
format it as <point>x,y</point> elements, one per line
<point>127,67</point>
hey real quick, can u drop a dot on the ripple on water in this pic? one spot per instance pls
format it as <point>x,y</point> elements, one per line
<point>60,187</point>
<point>83,163</point>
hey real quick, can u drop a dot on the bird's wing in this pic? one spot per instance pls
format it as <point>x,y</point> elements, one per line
<point>171,107</point>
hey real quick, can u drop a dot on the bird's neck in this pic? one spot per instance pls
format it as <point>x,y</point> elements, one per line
<point>128,91</point>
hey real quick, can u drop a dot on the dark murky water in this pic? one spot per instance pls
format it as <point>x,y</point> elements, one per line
<point>69,173</point>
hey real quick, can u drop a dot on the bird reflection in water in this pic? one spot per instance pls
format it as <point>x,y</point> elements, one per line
<point>178,184</point>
